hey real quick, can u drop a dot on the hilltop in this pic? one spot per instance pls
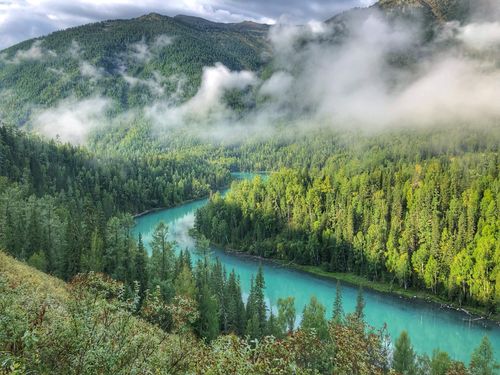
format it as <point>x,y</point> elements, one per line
<point>130,61</point>
<point>134,62</point>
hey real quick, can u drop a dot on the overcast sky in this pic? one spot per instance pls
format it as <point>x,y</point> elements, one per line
<point>24,19</point>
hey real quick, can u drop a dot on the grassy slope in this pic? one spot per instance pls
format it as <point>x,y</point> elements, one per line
<point>20,276</point>
<point>47,327</point>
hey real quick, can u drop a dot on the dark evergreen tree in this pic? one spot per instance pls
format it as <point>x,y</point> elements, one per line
<point>141,270</point>
<point>360,305</point>
<point>338,310</point>
<point>404,356</point>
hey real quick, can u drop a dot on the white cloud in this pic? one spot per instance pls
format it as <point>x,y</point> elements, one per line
<point>75,50</point>
<point>71,120</point>
<point>452,90</point>
<point>206,106</point>
<point>279,83</point>
<point>142,52</point>
<point>215,81</point>
<point>154,83</point>
<point>90,71</point>
<point>481,35</point>
<point>35,52</point>
<point>354,83</point>
<point>162,41</point>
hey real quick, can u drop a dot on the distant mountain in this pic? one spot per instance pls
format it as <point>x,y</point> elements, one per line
<point>131,61</point>
<point>427,11</point>
<point>134,62</point>
<point>441,10</point>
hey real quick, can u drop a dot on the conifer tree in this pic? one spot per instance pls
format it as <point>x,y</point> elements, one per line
<point>338,310</point>
<point>163,247</point>
<point>404,357</point>
<point>483,360</point>
<point>141,271</point>
<point>259,299</point>
<point>360,305</point>
<point>313,318</point>
<point>235,307</point>
<point>208,323</point>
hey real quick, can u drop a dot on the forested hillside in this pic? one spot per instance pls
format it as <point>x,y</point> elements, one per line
<point>398,208</point>
<point>378,130</point>
<point>62,207</point>
<point>129,61</point>
<point>92,326</point>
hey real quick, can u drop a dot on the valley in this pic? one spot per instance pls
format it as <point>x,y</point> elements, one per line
<point>429,325</point>
<point>246,188</point>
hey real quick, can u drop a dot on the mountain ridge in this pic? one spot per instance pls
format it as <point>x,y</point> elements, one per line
<point>122,59</point>
<point>135,61</point>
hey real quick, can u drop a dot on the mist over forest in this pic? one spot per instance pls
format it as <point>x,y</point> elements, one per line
<point>274,193</point>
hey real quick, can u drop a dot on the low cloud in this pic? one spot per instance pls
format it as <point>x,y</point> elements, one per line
<point>367,73</point>
<point>380,75</point>
<point>205,113</point>
<point>71,120</point>
<point>154,84</point>
<point>215,82</point>
<point>90,71</point>
<point>33,53</point>
<point>279,83</point>
<point>87,69</point>
<point>162,41</point>
<point>481,35</point>
<point>141,52</point>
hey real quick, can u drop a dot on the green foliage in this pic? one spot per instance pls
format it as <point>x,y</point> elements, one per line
<point>314,319</point>
<point>87,329</point>
<point>92,60</point>
<point>338,310</point>
<point>440,363</point>
<point>391,208</point>
<point>62,208</point>
<point>286,314</point>
<point>404,356</point>
<point>360,305</point>
<point>103,331</point>
<point>483,360</point>
<point>256,309</point>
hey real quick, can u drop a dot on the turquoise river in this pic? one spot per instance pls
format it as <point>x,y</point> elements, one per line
<point>428,325</point>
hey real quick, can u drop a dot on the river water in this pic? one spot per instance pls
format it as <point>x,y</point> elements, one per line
<point>429,326</point>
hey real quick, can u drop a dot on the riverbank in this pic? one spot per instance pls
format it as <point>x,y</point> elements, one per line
<point>474,313</point>
<point>427,323</point>
<point>237,176</point>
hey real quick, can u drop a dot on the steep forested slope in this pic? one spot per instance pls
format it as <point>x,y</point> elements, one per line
<point>136,61</point>
<point>59,204</point>
<point>406,208</point>
<point>130,61</point>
